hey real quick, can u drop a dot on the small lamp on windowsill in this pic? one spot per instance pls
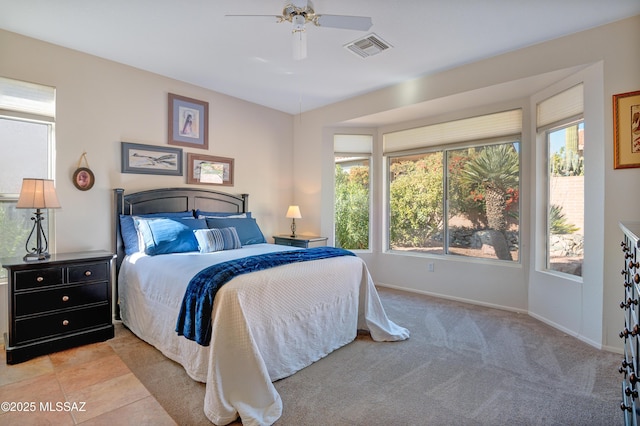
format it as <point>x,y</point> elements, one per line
<point>293,213</point>
<point>37,194</point>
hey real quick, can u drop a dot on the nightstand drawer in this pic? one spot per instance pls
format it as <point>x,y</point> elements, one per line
<point>60,298</point>
<point>292,243</point>
<point>88,272</point>
<point>302,241</point>
<point>38,278</point>
<point>61,323</point>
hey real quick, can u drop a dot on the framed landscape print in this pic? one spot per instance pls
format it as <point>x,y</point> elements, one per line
<point>208,170</point>
<point>151,159</point>
<point>626,130</point>
<point>188,122</point>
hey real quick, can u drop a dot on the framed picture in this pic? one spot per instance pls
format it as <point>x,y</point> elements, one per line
<point>208,170</point>
<point>83,179</point>
<point>151,159</point>
<point>626,130</point>
<point>188,122</point>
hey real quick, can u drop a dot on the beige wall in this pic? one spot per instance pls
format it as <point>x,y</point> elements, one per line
<point>101,103</point>
<point>588,310</point>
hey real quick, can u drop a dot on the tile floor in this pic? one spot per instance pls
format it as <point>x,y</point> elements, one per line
<point>87,385</point>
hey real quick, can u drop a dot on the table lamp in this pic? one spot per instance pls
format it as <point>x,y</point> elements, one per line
<point>293,213</point>
<point>37,194</point>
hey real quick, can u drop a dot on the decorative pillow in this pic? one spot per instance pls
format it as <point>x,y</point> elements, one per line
<point>234,216</point>
<point>247,229</point>
<point>217,239</point>
<point>201,214</point>
<point>129,232</point>
<point>168,235</point>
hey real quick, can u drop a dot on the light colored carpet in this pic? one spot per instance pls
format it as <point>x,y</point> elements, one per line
<point>463,365</point>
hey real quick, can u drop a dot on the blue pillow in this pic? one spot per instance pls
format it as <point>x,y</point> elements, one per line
<point>169,235</point>
<point>210,240</point>
<point>129,232</point>
<point>199,213</point>
<point>247,229</point>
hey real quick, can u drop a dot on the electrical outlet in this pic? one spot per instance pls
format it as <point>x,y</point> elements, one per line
<point>430,266</point>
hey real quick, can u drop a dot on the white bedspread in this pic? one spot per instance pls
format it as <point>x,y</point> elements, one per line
<point>266,325</point>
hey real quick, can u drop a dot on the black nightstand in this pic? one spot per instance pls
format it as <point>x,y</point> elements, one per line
<point>58,303</point>
<point>303,241</point>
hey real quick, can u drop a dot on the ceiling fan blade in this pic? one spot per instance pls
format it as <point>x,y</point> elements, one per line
<point>346,22</point>
<point>270,18</point>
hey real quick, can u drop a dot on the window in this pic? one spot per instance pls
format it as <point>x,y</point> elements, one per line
<point>461,199</point>
<point>560,120</point>
<point>352,191</point>
<point>26,142</point>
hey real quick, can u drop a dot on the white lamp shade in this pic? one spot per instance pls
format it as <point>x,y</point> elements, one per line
<point>38,194</point>
<point>294,212</point>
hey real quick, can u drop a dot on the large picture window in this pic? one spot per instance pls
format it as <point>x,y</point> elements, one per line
<point>460,197</point>
<point>476,214</point>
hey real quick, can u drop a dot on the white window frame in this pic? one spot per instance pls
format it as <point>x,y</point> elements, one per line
<point>31,103</point>
<point>487,129</point>
<point>563,108</point>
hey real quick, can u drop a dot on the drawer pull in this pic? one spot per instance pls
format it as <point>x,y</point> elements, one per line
<point>65,322</point>
<point>40,279</point>
<point>87,273</point>
<point>65,298</point>
<point>631,392</point>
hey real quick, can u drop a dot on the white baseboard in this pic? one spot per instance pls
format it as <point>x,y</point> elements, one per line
<point>505,308</point>
<point>457,299</point>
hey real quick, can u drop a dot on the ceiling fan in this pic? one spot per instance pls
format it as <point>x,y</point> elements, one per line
<point>301,12</point>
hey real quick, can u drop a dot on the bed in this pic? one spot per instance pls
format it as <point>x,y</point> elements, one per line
<point>265,325</point>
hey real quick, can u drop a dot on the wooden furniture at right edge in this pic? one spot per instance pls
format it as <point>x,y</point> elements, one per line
<point>630,366</point>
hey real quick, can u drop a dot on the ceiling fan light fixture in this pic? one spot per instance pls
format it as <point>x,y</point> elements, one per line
<point>299,44</point>
<point>298,23</point>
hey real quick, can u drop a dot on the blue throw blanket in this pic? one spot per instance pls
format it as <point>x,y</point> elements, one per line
<point>194,320</point>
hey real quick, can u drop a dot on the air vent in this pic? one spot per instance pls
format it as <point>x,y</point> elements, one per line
<point>368,46</point>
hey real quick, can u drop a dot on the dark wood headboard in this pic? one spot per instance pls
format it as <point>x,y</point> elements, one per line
<point>170,200</point>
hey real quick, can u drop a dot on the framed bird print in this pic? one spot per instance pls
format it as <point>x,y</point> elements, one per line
<point>188,122</point>
<point>151,159</point>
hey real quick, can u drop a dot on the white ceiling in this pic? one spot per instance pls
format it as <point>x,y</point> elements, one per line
<point>251,59</point>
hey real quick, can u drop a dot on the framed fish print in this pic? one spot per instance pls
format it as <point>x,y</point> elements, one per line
<point>151,159</point>
<point>188,122</point>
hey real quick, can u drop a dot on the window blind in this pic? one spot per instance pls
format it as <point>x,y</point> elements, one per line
<point>475,128</point>
<point>353,144</point>
<point>32,99</point>
<point>560,107</point>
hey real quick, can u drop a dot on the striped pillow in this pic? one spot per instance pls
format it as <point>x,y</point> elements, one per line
<point>217,239</point>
